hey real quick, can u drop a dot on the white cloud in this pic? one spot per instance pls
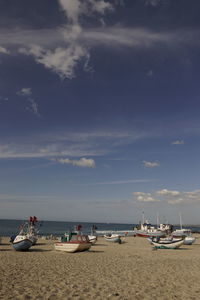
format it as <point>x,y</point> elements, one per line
<point>82,162</point>
<point>178,142</point>
<point>153,2</point>
<point>3,50</point>
<point>150,73</point>
<point>64,59</point>
<point>32,105</point>
<point>120,182</point>
<point>62,49</point>
<point>61,143</point>
<point>74,9</point>
<point>145,197</point>
<point>151,164</point>
<point>60,60</point>
<point>169,196</point>
<point>25,92</point>
<point>168,193</point>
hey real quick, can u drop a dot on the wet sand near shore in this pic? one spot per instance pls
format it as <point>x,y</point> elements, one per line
<point>131,270</point>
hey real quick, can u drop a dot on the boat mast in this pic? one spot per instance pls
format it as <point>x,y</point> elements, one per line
<point>157,220</point>
<point>142,217</point>
<point>181,225</point>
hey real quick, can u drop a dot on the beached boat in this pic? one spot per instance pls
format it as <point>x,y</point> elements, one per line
<point>31,229</point>
<point>166,243</point>
<point>145,229</point>
<point>189,240</point>
<point>185,233</point>
<point>93,235</point>
<point>27,236</point>
<point>92,239</point>
<point>113,238</point>
<point>73,242</point>
<point>22,243</point>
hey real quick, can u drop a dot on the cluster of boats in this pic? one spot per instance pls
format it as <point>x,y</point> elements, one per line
<point>164,236</point>
<point>161,237</point>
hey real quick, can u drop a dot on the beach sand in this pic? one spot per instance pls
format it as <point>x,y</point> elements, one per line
<point>131,270</point>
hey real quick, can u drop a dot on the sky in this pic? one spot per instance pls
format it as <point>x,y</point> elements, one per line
<point>99,110</point>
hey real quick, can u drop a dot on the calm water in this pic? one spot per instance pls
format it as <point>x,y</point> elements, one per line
<point>11,227</point>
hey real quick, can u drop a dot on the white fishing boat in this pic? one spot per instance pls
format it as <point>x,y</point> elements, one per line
<point>93,235</point>
<point>189,240</point>
<point>92,239</point>
<point>27,237</point>
<point>73,242</point>
<point>166,243</point>
<point>32,229</point>
<point>113,238</point>
<point>145,229</point>
<point>185,233</point>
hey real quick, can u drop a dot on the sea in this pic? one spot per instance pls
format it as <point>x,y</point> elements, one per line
<point>46,228</point>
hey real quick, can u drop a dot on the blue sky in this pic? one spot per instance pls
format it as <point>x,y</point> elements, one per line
<point>99,110</point>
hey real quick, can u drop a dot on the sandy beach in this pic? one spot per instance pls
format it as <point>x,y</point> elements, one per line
<point>131,270</point>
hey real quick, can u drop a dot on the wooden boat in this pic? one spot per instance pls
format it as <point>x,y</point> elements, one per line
<point>73,242</point>
<point>22,243</point>
<point>166,243</point>
<point>113,238</point>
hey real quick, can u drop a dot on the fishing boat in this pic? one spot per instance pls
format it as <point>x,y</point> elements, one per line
<point>22,242</point>
<point>145,229</point>
<point>92,239</point>
<point>32,230</point>
<point>93,235</point>
<point>112,238</point>
<point>189,240</point>
<point>166,243</point>
<point>185,233</point>
<point>73,242</point>
<point>27,236</point>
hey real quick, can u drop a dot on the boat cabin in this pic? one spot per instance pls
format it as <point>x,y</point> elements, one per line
<point>74,238</point>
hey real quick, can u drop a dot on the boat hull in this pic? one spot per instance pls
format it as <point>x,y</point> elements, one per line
<point>34,239</point>
<point>113,238</point>
<point>72,247</point>
<point>149,234</point>
<point>167,245</point>
<point>92,239</point>
<point>23,245</point>
<point>189,240</point>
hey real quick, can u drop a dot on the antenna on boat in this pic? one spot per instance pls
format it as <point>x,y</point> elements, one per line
<point>142,217</point>
<point>157,219</point>
<point>181,225</point>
